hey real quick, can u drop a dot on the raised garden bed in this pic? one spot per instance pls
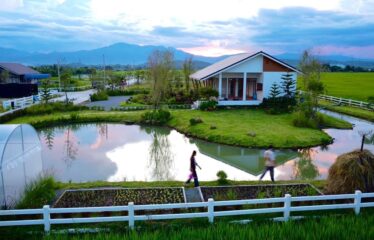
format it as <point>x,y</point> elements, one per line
<point>118,197</point>
<point>257,191</point>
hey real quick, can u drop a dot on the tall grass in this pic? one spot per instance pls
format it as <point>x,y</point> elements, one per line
<point>38,193</point>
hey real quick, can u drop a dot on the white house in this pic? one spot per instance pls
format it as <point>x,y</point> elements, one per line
<point>260,71</point>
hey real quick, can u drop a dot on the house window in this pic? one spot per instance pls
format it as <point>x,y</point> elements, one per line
<point>259,87</point>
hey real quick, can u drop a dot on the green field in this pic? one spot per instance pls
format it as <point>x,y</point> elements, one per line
<point>358,86</point>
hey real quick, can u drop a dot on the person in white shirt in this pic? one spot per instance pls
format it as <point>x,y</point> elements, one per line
<point>269,157</point>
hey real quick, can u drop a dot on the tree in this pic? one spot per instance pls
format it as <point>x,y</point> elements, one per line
<point>65,83</point>
<point>288,85</point>
<point>312,85</point>
<point>160,67</point>
<point>187,70</point>
<point>46,93</point>
<point>274,91</point>
<point>4,76</point>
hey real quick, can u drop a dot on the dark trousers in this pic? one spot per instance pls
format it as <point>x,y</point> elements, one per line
<point>271,170</point>
<point>195,179</point>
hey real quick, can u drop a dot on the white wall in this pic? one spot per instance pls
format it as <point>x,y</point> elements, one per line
<point>254,65</point>
<point>270,77</point>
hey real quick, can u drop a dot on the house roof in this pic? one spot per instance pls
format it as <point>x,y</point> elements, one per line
<point>231,61</point>
<point>18,69</point>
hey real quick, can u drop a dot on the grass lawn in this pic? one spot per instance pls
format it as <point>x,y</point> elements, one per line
<point>345,226</point>
<point>233,127</point>
<point>358,86</point>
<point>352,111</point>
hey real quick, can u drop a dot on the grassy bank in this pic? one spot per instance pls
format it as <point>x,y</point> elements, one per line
<point>352,111</point>
<point>251,128</point>
<point>358,86</point>
<point>245,127</point>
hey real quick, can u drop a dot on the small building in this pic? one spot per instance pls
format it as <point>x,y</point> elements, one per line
<point>17,80</point>
<point>260,71</point>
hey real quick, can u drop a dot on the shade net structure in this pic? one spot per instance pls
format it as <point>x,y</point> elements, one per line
<point>20,161</point>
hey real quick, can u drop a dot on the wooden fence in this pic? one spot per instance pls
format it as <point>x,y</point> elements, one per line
<point>47,220</point>
<point>349,102</point>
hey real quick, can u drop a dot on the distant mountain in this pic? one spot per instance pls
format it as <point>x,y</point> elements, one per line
<point>131,54</point>
<point>119,53</point>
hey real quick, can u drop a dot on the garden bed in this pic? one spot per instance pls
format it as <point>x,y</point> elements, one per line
<point>118,197</point>
<point>257,191</point>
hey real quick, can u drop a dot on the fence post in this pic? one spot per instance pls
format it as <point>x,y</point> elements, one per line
<point>211,210</point>
<point>46,218</point>
<point>287,207</point>
<point>357,202</point>
<point>131,215</point>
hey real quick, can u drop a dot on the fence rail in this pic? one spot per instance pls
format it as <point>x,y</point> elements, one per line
<point>131,217</point>
<point>349,102</point>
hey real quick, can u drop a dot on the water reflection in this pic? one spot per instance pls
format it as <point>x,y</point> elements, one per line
<point>116,152</point>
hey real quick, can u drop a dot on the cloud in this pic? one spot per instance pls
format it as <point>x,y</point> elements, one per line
<point>10,5</point>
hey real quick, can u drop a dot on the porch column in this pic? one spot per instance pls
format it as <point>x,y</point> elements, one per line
<point>244,86</point>
<point>236,87</point>
<point>220,86</point>
<point>227,88</point>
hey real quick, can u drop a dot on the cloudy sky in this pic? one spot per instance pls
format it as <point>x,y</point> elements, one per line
<point>204,27</point>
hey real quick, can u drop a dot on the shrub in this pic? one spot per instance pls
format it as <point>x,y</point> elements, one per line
<point>194,121</point>
<point>156,117</point>
<point>53,107</point>
<point>279,105</point>
<point>38,193</point>
<point>208,105</point>
<point>140,98</point>
<point>99,96</point>
<point>300,119</point>
<point>207,92</point>
<point>222,177</point>
<point>127,92</point>
<point>351,171</point>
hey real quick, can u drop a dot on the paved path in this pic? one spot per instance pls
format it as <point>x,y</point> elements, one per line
<point>112,102</point>
<point>77,97</point>
<point>193,195</point>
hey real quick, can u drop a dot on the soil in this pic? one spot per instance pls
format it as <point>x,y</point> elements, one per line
<point>118,197</point>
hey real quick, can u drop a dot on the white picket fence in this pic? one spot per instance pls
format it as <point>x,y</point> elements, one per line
<point>286,209</point>
<point>349,102</point>
<point>20,102</point>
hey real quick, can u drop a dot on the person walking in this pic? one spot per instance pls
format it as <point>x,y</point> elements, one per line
<point>193,173</point>
<point>269,157</point>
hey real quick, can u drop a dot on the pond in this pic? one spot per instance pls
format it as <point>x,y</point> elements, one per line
<point>117,152</point>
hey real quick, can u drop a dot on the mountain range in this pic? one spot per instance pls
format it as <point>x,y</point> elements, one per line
<point>131,54</point>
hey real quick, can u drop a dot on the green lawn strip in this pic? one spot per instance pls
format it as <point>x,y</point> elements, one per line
<point>357,86</point>
<point>352,111</point>
<point>345,226</point>
<point>234,127</point>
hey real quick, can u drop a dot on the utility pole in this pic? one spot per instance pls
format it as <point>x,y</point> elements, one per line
<point>104,71</point>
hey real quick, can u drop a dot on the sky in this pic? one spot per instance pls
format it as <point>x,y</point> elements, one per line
<point>202,27</point>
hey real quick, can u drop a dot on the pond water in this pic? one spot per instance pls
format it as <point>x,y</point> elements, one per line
<point>117,152</point>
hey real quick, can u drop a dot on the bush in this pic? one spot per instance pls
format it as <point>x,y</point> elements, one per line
<point>222,177</point>
<point>208,105</point>
<point>141,98</point>
<point>53,107</point>
<point>300,119</point>
<point>127,92</point>
<point>207,92</point>
<point>38,193</point>
<point>194,121</point>
<point>156,117</point>
<point>351,171</point>
<point>279,105</point>
<point>99,96</point>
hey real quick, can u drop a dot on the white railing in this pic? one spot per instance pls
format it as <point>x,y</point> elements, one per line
<point>349,102</point>
<point>20,102</point>
<point>131,217</point>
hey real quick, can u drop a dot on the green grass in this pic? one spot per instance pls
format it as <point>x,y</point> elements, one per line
<point>352,111</point>
<point>38,193</point>
<point>233,126</point>
<point>346,226</point>
<point>358,86</point>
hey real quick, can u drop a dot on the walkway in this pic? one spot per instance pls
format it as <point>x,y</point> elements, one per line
<point>76,97</point>
<point>193,195</point>
<point>112,102</point>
